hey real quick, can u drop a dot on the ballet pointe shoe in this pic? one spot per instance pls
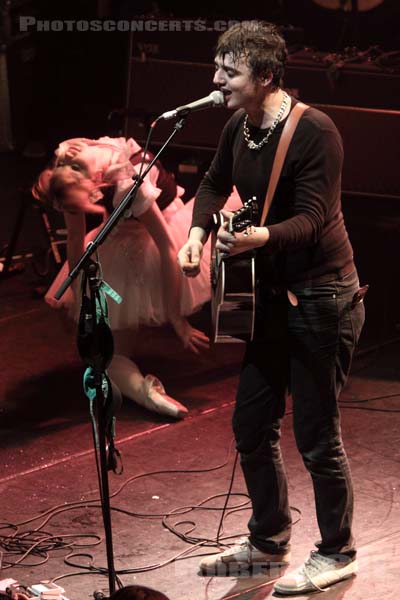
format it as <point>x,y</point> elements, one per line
<point>155,398</point>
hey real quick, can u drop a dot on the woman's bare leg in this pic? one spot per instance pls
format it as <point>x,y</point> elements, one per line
<point>148,390</point>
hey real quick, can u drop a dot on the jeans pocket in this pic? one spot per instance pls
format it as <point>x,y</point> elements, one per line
<point>357,318</point>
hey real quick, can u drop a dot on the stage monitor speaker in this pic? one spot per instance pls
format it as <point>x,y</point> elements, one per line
<point>322,78</point>
<point>370,139</point>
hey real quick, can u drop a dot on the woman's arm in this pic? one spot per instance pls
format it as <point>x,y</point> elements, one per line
<point>76,231</point>
<point>172,279</point>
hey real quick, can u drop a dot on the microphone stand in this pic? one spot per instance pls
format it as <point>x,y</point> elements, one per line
<point>97,347</point>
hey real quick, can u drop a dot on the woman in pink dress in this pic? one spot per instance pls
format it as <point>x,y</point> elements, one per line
<point>138,258</point>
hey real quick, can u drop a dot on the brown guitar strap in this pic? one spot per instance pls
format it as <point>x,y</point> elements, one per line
<point>284,142</point>
<point>286,137</point>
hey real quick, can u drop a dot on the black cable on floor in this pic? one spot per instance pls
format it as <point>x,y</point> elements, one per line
<point>40,544</point>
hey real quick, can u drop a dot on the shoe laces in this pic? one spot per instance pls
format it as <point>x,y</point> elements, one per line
<point>242,544</point>
<point>314,566</point>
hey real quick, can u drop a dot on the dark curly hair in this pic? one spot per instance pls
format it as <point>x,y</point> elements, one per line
<point>261,44</point>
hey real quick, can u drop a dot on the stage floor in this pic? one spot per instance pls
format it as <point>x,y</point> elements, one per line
<point>48,479</point>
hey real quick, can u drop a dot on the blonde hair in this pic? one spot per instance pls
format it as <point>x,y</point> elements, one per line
<point>54,183</point>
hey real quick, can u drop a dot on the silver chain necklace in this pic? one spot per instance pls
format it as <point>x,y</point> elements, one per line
<point>252,145</point>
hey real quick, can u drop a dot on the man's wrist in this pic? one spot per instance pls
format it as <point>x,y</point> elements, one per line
<point>198,234</point>
<point>264,235</point>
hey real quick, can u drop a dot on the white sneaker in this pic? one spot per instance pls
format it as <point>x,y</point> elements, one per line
<point>242,555</point>
<point>317,573</point>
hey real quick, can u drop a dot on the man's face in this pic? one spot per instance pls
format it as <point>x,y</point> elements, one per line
<point>234,78</point>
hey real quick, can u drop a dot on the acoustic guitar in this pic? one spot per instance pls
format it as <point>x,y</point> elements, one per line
<point>233,282</point>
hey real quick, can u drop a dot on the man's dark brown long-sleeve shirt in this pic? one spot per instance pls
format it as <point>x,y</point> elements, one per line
<point>308,238</point>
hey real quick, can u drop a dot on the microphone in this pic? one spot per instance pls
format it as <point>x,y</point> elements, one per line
<point>214,99</point>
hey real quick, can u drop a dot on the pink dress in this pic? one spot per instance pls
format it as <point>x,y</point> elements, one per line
<point>131,263</point>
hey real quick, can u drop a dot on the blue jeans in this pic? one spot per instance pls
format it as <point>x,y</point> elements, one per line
<point>307,350</point>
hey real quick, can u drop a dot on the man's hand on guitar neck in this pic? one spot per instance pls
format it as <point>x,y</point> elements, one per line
<point>233,243</point>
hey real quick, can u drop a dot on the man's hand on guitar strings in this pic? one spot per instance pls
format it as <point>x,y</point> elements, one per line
<point>233,243</point>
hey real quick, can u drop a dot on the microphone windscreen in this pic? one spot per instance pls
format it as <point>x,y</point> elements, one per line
<point>217,97</point>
